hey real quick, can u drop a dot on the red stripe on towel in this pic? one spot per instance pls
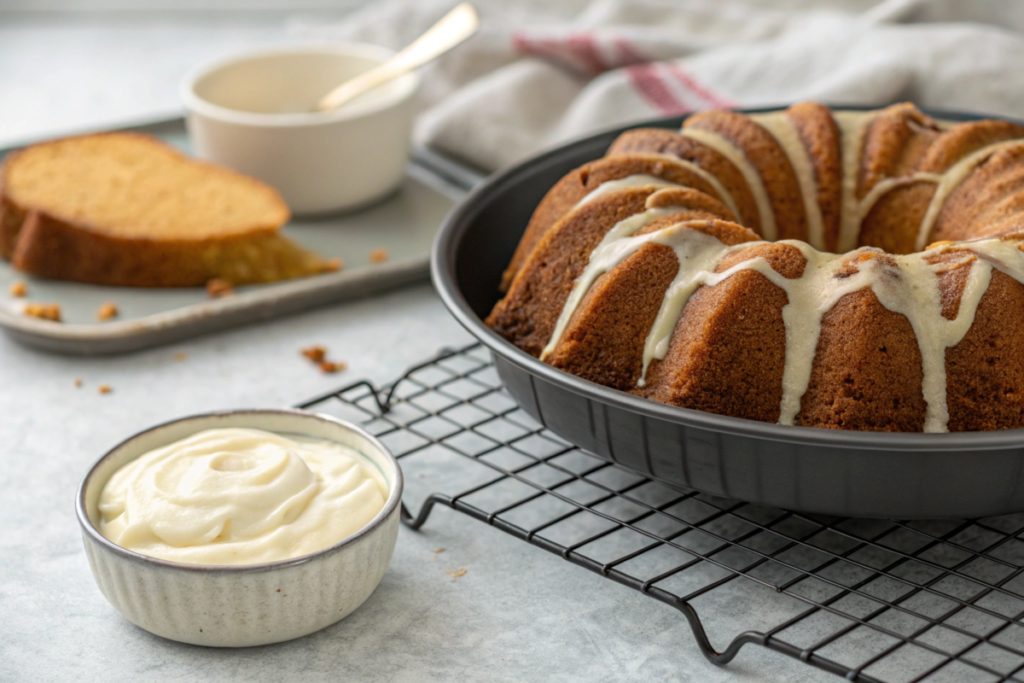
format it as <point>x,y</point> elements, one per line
<point>584,47</point>
<point>628,54</point>
<point>579,51</point>
<point>685,79</point>
<point>645,80</point>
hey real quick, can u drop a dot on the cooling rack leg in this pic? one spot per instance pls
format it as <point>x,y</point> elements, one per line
<point>416,522</point>
<point>701,636</point>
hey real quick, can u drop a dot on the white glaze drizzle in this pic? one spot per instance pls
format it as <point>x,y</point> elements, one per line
<point>951,179</point>
<point>710,179</point>
<point>625,183</point>
<point>754,181</point>
<point>910,287</point>
<point>612,240</point>
<point>853,128</point>
<point>886,185</point>
<point>785,132</point>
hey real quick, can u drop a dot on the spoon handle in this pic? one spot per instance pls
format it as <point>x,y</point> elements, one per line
<point>452,29</point>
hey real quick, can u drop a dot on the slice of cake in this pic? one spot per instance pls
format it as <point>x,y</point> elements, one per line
<point>126,209</point>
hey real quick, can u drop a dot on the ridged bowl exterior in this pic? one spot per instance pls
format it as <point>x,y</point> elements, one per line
<point>865,474</point>
<point>244,605</point>
<point>242,609</point>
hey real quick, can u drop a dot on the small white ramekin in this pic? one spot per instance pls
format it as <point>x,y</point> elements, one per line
<point>320,162</point>
<point>244,605</point>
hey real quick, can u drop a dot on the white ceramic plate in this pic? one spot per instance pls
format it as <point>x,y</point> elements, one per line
<point>403,224</point>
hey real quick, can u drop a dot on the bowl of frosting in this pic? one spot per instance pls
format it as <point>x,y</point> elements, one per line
<point>241,528</point>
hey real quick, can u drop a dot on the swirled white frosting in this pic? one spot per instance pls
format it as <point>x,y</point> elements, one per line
<point>240,496</point>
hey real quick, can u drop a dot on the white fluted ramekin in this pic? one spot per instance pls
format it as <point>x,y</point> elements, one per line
<point>245,605</point>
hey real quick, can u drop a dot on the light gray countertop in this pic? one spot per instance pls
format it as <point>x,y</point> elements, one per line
<point>518,613</point>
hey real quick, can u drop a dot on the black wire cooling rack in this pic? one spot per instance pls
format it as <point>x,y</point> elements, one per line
<point>871,600</point>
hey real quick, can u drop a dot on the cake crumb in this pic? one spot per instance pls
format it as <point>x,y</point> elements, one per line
<point>318,355</point>
<point>108,311</point>
<point>78,383</point>
<point>378,256</point>
<point>43,311</point>
<point>331,367</point>
<point>105,389</point>
<point>217,288</point>
<point>181,356</point>
<point>315,353</point>
<point>455,575</point>
<point>333,265</point>
<point>19,289</point>
<point>438,552</point>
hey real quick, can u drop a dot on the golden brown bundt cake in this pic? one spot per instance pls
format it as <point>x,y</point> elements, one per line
<point>646,271</point>
<point>672,144</point>
<point>765,165</point>
<point>571,189</point>
<point>543,285</point>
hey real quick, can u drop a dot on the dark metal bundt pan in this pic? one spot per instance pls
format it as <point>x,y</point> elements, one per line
<point>867,474</point>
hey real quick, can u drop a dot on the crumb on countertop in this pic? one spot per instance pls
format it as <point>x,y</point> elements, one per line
<point>105,389</point>
<point>108,311</point>
<point>378,256</point>
<point>19,289</point>
<point>181,356</point>
<point>318,356</point>
<point>332,367</point>
<point>315,353</point>
<point>78,383</point>
<point>217,288</point>
<point>456,574</point>
<point>333,265</point>
<point>43,311</point>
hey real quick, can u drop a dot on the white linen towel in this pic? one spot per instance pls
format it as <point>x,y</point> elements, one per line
<point>541,73</point>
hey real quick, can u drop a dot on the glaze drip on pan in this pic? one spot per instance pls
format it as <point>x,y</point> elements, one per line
<point>640,273</point>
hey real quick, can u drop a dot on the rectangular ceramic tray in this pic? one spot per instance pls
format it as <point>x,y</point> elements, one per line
<point>403,224</point>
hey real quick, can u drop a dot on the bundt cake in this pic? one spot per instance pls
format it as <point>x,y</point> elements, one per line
<point>839,269</point>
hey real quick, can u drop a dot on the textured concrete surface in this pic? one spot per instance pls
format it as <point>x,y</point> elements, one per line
<point>517,614</point>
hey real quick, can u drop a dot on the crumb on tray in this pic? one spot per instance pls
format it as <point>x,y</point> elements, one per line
<point>181,356</point>
<point>457,574</point>
<point>78,383</point>
<point>217,288</point>
<point>19,289</point>
<point>105,389</point>
<point>378,256</point>
<point>108,311</point>
<point>43,311</point>
<point>333,265</point>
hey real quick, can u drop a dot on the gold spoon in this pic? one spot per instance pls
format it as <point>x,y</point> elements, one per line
<point>452,29</point>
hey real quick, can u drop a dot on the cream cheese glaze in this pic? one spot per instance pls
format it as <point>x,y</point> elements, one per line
<point>240,496</point>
